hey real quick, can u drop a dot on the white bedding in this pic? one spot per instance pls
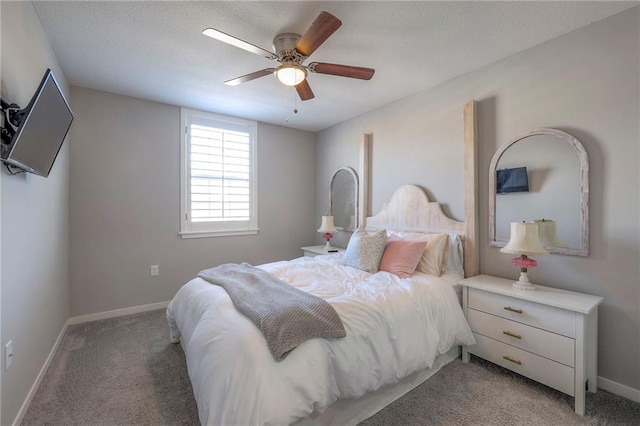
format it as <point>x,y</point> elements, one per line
<point>394,328</point>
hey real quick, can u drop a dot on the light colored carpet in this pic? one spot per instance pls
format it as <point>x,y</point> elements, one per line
<point>482,393</point>
<point>124,371</point>
<point>119,371</point>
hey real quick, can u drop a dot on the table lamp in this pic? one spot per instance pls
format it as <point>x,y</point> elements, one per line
<point>327,229</point>
<point>524,241</point>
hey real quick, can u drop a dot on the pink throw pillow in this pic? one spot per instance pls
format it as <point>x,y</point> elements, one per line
<point>401,257</point>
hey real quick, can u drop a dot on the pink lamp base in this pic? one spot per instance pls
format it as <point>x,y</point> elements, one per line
<point>524,262</point>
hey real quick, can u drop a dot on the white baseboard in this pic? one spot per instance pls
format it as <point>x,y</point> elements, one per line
<point>117,313</point>
<point>36,384</point>
<point>619,389</point>
<point>78,320</point>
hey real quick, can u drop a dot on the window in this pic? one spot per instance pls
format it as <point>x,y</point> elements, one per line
<point>218,175</point>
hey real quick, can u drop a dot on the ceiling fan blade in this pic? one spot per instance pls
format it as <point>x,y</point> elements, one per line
<point>342,70</point>
<point>249,77</point>
<point>304,91</point>
<point>321,29</point>
<point>234,41</point>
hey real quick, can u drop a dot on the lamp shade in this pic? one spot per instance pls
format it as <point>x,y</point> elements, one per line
<point>524,239</point>
<point>327,225</point>
<point>548,233</point>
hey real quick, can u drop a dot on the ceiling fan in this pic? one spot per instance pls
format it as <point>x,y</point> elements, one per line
<point>291,51</point>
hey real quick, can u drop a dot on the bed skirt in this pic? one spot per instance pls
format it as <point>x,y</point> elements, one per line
<point>350,412</point>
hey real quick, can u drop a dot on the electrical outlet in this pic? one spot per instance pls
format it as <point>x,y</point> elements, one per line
<point>8,354</point>
<point>154,270</point>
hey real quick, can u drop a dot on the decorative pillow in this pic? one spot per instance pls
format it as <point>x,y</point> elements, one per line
<point>364,251</point>
<point>455,259</point>
<point>434,256</point>
<point>401,257</point>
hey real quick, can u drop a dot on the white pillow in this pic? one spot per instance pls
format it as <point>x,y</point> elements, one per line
<point>434,256</point>
<point>364,251</point>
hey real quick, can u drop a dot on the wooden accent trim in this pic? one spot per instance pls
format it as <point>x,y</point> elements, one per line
<point>471,209</point>
<point>364,194</point>
<point>410,209</point>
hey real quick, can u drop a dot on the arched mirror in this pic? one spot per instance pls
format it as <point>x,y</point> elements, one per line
<point>541,175</point>
<point>344,199</point>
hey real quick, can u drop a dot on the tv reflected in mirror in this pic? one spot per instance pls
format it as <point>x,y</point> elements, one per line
<point>512,180</point>
<point>38,130</point>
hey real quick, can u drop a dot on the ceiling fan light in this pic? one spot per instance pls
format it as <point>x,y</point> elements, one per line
<point>291,75</point>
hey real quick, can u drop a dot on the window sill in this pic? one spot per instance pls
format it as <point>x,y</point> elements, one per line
<point>213,234</point>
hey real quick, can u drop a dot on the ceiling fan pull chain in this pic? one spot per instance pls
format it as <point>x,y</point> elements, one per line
<point>287,92</point>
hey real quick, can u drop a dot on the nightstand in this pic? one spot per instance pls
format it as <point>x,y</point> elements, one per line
<point>549,335</point>
<point>313,251</point>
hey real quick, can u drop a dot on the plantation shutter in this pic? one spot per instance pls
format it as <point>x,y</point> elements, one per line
<point>219,175</point>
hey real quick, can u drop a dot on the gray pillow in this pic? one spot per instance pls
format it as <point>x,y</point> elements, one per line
<point>364,251</point>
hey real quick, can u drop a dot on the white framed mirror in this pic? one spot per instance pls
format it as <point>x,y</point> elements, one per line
<point>344,199</point>
<point>541,175</point>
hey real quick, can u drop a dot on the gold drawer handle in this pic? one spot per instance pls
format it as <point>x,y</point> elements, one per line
<point>508,333</point>
<point>508,358</point>
<point>509,308</point>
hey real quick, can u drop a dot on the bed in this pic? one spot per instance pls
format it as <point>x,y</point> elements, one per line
<point>399,332</point>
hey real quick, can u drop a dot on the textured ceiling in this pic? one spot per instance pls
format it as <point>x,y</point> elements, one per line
<point>156,51</point>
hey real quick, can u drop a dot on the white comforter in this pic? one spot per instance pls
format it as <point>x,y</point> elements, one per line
<point>394,328</point>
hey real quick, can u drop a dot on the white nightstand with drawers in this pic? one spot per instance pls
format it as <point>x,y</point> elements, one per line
<point>549,335</point>
<point>313,251</point>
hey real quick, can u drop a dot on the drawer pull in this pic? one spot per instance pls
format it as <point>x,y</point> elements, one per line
<point>515,361</point>
<point>510,334</point>
<point>509,308</point>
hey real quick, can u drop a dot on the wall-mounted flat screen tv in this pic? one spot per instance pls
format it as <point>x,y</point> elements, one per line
<point>512,180</point>
<point>42,128</point>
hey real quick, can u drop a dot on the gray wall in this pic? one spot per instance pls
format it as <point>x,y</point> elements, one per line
<point>586,83</point>
<point>401,153</point>
<point>35,227</point>
<point>125,203</point>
